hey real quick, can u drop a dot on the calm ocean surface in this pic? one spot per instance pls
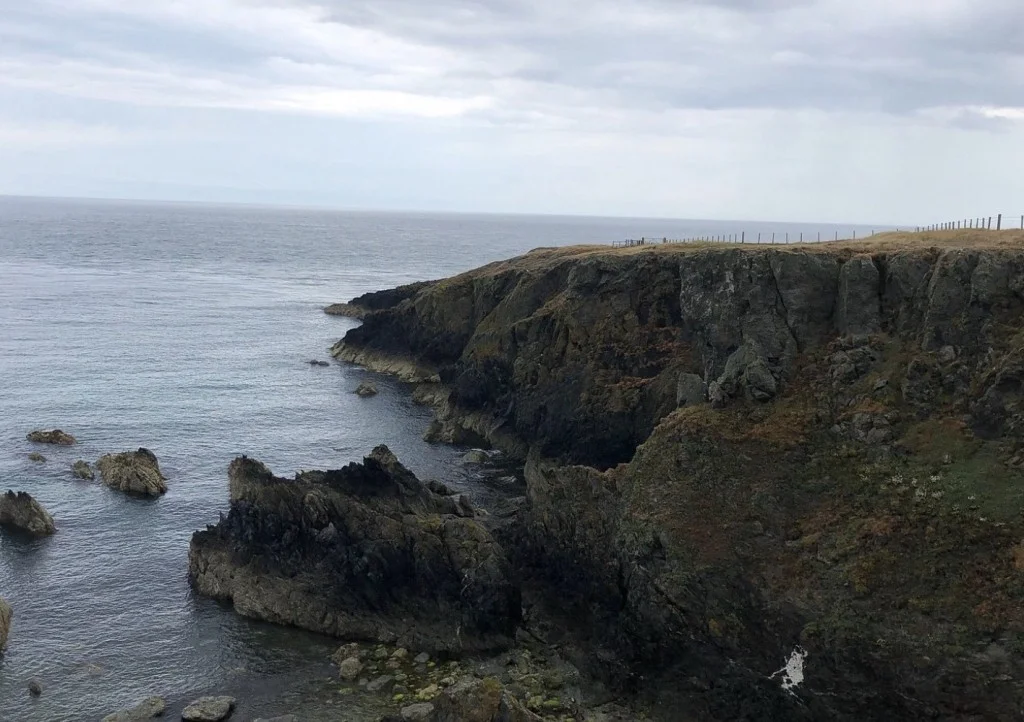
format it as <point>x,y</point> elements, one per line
<point>187,329</point>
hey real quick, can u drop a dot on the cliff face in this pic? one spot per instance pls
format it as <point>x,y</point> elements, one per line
<point>581,354</point>
<point>366,552</point>
<point>823,454</point>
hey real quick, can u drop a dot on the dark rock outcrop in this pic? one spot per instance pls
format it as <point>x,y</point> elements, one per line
<point>37,457</point>
<point>209,709</point>
<point>365,552</point>
<point>133,472</point>
<point>54,436</point>
<point>847,503</point>
<point>23,514</point>
<point>366,389</point>
<point>6,615</point>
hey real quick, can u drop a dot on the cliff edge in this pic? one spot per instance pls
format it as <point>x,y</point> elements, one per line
<point>769,482</point>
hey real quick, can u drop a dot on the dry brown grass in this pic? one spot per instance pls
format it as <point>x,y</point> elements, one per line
<point>540,259</point>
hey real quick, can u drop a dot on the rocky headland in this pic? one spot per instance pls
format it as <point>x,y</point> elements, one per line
<point>366,552</point>
<point>763,483</point>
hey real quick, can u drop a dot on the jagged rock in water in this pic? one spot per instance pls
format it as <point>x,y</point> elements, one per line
<point>209,709</point>
<point>364,552</point>
<point>6,615</point>
<point>133,472</point>
<point>82,470</point>
<point>35,687</point>
<point>54,436</point>
<point>315,362</point>
<point>37,457</point>
<point>147,709</point>
<point>21,513</point>
<point>365,389</point>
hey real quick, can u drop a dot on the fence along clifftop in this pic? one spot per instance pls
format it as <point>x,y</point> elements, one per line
<point>998,222</point>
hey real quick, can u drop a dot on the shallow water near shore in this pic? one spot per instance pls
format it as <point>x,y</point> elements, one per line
<point>188,330</point>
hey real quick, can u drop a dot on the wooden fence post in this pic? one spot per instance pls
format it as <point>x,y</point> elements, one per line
<point>743,237</point>
<point>819,236</point>
<point>759,235</point>
<point>999,222</point>
<point>773,238</point>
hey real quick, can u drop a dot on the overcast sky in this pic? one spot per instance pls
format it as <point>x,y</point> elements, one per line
<point>818,110</point>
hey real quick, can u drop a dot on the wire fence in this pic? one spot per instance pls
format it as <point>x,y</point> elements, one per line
<point>998,222</point>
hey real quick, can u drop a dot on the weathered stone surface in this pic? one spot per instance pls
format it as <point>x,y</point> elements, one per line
<point>54,436</point>
<point>350,668</point>
<point>417,712</point>
<point>209,709</point>
<point>365,552</point>
<point>851,491</point>
<point>691,390</point>
<point>82,470</point>
<point>149,708</point>
<point>479,700</point>
<point>133,472</point>
<point>366,388</point>
<point>747,373</point>
<point>475,456</point>
<point>21,513</point>
<point>6,617</point>
<point>858,305</point>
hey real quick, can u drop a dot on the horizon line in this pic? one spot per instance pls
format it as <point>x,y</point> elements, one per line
<point>425,212</point>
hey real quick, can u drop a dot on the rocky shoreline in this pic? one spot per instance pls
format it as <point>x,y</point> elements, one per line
<point>747,465</point>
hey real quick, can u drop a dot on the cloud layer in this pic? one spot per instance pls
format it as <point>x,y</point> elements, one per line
<point>672,107</point>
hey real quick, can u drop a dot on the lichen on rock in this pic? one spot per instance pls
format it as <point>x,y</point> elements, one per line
<point>133,472</point>
<point>363,552</point>
<point>23,514</point>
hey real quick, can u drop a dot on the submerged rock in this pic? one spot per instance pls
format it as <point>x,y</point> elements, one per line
<point>22,513</point>
<point>314,362</point>
<point>35,687</point>
<point>6,615</point>
<point>209,709</point>
<point>365,389</point>
<point>364,552</point>
<point>475,456</point>
<point>82,470</point>
<point>54,436</point>
<point>147,709</point>
<point>37,457</point>
<point>133,472</point>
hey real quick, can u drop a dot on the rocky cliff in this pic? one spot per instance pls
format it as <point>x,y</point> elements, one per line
<point>366,552</point>
<point>771,483</point>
